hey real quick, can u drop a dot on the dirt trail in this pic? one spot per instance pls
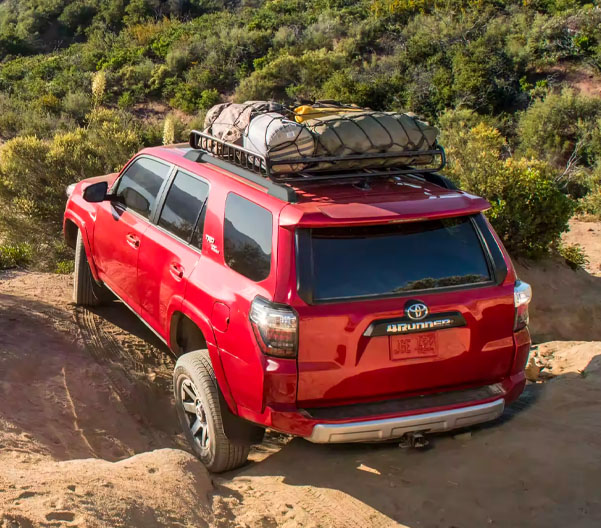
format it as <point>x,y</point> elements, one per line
<point>88,435</point>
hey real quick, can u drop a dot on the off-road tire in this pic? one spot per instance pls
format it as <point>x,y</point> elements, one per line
<point>220,454</point>
<point>86,292</point>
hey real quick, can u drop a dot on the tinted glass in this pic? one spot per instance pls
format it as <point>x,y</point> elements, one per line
<point>247,237</point>
<point>198,232</point>
<point>140,185</point>
<point>384,260</point>
<point>183,205</point>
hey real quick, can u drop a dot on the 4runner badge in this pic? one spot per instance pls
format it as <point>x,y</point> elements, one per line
<point>211,241</point>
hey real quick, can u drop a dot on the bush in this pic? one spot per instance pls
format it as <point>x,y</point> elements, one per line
<point>590,204</point>
<point>35,173</point>
<point>560,126</point>
<point>15,255</point>
<point>77,104</point>
<point>574,255</point>
<point>126,100</point>
<point>528,210</point>
<point>290,76</point>
<point>64,267</point>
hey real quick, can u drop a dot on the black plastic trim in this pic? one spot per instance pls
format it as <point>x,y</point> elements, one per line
<point>496,255</point>
<point>409,404</point>
<point>387,327</point>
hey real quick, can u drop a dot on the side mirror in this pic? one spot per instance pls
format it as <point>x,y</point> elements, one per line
<point>96,192</point>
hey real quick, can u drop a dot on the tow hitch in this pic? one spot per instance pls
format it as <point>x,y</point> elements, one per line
<point>415,440</point>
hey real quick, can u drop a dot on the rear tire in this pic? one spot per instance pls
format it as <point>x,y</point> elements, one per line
<point>86,292</point>
<point>199,412</point>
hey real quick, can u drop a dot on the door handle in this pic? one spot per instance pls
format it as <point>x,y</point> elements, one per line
<point>177,271</point>
<point>133,241</point>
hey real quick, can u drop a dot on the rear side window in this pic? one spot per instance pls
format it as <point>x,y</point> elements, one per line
<point>139,186</point>
<point>183,205</point>
<point>247,237</point>
<point>354,262</point>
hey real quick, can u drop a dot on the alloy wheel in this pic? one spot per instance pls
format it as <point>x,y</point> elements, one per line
<point>195,413</point>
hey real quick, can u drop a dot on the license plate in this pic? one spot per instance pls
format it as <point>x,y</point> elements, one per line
<point>413,346</point>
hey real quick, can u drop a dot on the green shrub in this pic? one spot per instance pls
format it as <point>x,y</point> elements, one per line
<point>77,104</point>
<point>126,100</point>
<point>590,204</point>
<point>574,255</point>
<point>208,98</point>
<point>560,126</point>
<point>528,210</point>
<point>290,76</point>
<point>64,267</point>
<point>15,255</point>
<point>34,173</point>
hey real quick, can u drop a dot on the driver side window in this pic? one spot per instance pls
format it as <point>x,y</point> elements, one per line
<point>139,186</point>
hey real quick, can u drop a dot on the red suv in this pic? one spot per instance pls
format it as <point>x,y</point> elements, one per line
<point>352,307</point>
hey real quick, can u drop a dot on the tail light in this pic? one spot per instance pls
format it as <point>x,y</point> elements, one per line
<point>522,295</point>
<point>275,327</point>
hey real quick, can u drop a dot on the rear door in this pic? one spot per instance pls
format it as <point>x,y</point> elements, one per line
<point>397,309</point>
<point>120,226</point>
<point>170,250</point>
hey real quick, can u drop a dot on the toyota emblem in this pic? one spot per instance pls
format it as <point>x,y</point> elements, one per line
<point>416,311</point>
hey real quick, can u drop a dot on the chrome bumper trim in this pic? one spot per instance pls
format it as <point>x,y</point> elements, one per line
<point>435,422</point>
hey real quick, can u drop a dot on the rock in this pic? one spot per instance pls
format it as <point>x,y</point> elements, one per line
<point>532,369</point>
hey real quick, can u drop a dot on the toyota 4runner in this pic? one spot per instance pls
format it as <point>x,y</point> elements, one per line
<point>352,307</point>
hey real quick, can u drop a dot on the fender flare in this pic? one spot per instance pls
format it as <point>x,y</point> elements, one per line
<point>81,225</point>
<point>203,324</point>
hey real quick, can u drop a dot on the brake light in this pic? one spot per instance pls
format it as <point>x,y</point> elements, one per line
<point>522,295</point>
<point>275,327</point>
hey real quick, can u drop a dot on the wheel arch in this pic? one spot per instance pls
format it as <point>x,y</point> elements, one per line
<point>70,232</point>
<point>185,335</point>
<point>71,225</point>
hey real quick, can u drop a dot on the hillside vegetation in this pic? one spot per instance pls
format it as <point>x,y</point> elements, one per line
<point>84,84</point>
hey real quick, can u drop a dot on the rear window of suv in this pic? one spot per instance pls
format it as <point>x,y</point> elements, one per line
<point>373,261</point>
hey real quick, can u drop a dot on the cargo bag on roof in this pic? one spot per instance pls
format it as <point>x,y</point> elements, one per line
<point>277,138</point>
<point>354,138</point>
<point>228,121</point>
<point>368,132</point>
<point>322,109</point>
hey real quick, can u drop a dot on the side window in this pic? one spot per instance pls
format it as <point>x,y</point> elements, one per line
<point>200,227</point>
<point>139,186</point>
<point>183,205</point>
<point>247,237</point>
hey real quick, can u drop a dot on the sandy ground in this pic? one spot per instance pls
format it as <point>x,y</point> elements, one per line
<point>88,435</point>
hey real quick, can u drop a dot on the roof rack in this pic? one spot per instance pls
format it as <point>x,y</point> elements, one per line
<point>263,170</point>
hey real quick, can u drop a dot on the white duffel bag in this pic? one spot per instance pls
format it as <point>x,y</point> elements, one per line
<point>279,139</point>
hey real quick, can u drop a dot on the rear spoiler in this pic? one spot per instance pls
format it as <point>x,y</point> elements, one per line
<point>428,208</point>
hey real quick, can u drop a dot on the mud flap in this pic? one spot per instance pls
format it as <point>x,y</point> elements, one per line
<point>237,429</point>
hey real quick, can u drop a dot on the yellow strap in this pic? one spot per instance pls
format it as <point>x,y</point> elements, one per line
<point>305,112</point>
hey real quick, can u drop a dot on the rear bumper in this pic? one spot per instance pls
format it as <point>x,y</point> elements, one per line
<point>434,422</point>
<point>434,415</point>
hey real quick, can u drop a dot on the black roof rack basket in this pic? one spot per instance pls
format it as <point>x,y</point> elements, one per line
<point>267,168</point>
